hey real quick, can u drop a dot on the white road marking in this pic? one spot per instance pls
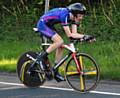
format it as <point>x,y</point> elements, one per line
<point>58,88</point>
<point>9,88</point>
<point>14,84</point>
<point>105,93</point>
<point>48,87</point>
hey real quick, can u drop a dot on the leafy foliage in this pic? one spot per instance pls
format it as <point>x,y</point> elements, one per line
<point>18,17</point>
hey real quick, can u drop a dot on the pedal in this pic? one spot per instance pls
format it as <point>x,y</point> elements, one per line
<point>49,74</point>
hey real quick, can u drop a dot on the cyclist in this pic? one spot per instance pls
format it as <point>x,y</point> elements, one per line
<point>72,14</point>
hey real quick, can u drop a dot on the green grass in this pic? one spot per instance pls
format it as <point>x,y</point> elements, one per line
<point>11,51</point>
<point>106,54</point>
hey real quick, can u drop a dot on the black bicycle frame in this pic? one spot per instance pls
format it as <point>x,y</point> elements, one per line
<point>64,58</point>
<point>62,61</point>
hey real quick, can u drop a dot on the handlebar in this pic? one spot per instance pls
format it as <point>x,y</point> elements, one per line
<point>74,40</point>
<point>86,38</point>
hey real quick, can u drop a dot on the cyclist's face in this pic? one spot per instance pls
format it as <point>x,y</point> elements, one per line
<point>79,17</point>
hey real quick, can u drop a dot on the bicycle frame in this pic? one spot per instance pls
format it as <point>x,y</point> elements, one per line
<point>81,72</point>
<point>72,52</point>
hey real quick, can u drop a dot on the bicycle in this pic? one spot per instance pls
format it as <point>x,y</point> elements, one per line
<point>81,72</point>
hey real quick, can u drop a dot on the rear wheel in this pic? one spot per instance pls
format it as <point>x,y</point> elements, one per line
<point>88,77</point>
<point>34,79</point>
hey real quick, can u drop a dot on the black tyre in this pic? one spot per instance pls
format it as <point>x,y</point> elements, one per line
<point>31,80</point>
<point>85,80</point>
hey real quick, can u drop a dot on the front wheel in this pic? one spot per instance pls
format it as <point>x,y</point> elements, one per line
<point>85,80</point>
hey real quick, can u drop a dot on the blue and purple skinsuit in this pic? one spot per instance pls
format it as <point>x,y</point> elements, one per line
<point>46,22</point>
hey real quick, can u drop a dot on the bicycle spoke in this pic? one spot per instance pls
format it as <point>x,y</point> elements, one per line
<point>81,62</point>
<point>82,83</point>
<point>93,72</point>
<point>72,73</point>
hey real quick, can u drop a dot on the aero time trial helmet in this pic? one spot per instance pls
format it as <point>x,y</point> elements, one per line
<point>77,8</point>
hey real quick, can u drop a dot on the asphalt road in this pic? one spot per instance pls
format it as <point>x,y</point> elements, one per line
<point>10,87</point>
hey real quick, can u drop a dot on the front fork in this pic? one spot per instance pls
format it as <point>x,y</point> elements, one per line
<point>79,64</point>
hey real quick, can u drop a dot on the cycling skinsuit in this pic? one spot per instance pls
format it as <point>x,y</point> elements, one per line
<point>46,23</point>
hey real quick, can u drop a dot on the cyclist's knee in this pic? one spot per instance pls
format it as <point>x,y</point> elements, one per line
<point>57,39</point>
<point>59,43</point>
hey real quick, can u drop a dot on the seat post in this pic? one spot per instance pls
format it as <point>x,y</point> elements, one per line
<point>45,44</point>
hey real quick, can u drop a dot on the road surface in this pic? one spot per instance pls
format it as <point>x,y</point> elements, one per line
<point>10,87</point>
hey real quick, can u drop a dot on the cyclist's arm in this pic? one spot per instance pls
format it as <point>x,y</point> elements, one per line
<point>67,30</point>
<point>70,34</point>
<point>74,28</point>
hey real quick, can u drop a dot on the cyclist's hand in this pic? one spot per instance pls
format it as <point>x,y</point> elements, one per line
<point>89,38</point>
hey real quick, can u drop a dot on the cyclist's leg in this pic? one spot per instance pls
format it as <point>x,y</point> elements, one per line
<point>49,33</point>
<point>57,42</point>
<point>59,53</point>
<point>57,75</point>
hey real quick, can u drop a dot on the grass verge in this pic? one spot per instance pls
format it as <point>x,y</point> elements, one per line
<point>106,54</point>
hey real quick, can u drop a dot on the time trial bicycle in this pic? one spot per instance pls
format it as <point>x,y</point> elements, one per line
<point>81,71</point>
